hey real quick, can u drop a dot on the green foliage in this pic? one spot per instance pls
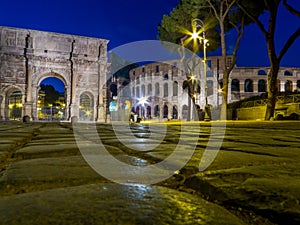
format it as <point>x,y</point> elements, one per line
<point>174,27</point>
<point>51,95</point>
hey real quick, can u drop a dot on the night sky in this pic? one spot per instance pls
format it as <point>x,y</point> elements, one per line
<point>125,21</point>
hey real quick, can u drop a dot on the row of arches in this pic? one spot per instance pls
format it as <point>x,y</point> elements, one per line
<point>248,85</point>
<point>141,91</point>
<point>165,111</point>
<point>12,102</point>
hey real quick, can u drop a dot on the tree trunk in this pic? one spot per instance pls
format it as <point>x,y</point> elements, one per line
<point>223,115</point>
<point>272,90</point>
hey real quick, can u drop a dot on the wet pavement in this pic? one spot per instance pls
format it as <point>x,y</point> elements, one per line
<point>46,176</point>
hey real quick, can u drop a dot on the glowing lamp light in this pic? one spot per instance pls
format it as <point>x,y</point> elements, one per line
<point>143,101</point>
<point>195,35</point>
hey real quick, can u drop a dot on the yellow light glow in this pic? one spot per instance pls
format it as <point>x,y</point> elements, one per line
<point>195,35</point>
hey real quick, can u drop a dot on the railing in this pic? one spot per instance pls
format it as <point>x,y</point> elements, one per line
<point>281,99</point>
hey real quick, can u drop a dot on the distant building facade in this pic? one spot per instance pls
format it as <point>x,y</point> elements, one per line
<point>162,84</point>
<point>27,57</point>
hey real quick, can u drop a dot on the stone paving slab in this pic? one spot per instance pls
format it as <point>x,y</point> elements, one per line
<point>271,191</point>
<point>46,173</point>
<point>109,204</point>
<point>43,150</point>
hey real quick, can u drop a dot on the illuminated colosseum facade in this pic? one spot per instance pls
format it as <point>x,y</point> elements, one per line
<point>161,84</point>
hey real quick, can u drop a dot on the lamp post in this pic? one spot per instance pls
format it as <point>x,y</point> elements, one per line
<point>199,23</point>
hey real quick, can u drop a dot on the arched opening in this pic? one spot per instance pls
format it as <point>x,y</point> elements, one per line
<point>288,86</point>
<point>261,72</point>
<point>235,85</point>
<point>288,73</point>
<point>175,88</point>
<point>156,111</point>
<point>175,113</point>
<point>156,89</point>
<point>15,105</point>
<point>148,112</point>
<point>166,89</point>
<point>262,86</point>
<point>248,85</point>
<point>166,111</point>
<point>51,101</point>
<point>86,111</point>
<point>149,89</point>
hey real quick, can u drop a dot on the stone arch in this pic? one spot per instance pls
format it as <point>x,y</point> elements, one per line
<point>13,103</point>
<point>56,112</point>
<point>165,111</point>
<point>65,57</point>
<point>262,85</point>
<point>288,85</point>
<point>156,111</point>
<point>261,72</point>
<point>166,90</point>
<point>248,85</point>
<point>235,85</point>
<point>175,112</point>
<point>287,73</point>
<point>39,78</point>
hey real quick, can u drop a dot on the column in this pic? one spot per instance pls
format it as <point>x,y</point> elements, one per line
<point>28,107</point>
<point>294,86</point>
<point>282,86</point>
<point>255,86</point>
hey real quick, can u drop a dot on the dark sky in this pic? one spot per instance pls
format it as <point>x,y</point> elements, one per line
<point>125,21</point>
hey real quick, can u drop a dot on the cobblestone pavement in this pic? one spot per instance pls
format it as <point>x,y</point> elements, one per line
<point>254,179</point>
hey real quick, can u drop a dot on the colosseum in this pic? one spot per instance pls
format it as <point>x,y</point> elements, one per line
<point>159,86</point>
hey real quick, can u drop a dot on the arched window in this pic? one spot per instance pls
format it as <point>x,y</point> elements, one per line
<point>150,89</point>
<point>166,77</point>
<point>261,72</point>
<point>143,91</point>
<point>175,88</point>
<point>166,90</point>
<point>156,89</point>
<point>175,112</point>
<point>262,86</point>
<point>287,73</point>
<point>166,111</point>
<point>138,92</point>
<point>248,85</point>
<point>210,87</point>
<point>235,85</point>
<point>133,91</point>
<point>156,111</point>
<point>85,107</point>
<point>288,86</point>
<point>148,113</point>
<point>15,105</point>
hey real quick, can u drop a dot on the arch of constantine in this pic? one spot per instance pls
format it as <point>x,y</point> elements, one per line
<point>27,57</point>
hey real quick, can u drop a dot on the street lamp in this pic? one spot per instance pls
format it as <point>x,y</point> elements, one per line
<point>197,23</point>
